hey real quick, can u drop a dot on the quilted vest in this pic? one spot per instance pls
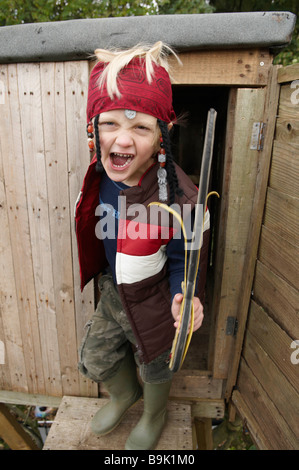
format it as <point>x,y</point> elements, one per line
<point>141,262</point>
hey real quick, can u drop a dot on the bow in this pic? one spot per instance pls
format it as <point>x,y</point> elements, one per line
<point>182,337</point>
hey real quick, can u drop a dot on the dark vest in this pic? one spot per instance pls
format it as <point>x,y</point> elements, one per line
<point>146,300</point>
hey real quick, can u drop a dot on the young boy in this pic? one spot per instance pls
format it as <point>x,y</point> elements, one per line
<point>129,115</point>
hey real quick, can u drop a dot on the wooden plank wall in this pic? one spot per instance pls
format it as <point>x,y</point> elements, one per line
<point>267,392</point>
<point>43,158</point>
<point>238,193</point>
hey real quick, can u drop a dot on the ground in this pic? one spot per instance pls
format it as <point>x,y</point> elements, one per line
<point>232,436</point>
<point>226,436</point>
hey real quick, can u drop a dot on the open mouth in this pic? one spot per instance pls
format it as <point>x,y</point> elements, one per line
<point>120,160</point>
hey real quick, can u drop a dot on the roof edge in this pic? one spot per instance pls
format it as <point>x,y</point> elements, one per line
<point>77,39</point>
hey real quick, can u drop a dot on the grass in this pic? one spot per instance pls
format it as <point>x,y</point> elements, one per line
<point>232,436</point>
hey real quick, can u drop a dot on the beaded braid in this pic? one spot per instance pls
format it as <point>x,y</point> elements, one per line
<point>99,166</point>
<point>172,178</point>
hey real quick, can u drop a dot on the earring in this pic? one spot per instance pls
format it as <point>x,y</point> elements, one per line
<point>90,136</point>
<point>162,173</point>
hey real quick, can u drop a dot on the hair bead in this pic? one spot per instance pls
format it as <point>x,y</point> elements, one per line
<point>90,136</point>
<point>91,145</point>
<point>90,128</point>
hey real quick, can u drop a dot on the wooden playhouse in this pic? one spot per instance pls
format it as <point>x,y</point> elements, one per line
<point>246,353</point>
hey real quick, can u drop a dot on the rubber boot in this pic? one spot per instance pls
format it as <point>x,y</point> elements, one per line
<point>124,390</point>
<point>146,434</point>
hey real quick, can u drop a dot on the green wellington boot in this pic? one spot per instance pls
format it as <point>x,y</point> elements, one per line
<point>124,390</point>
<point>146,434</point>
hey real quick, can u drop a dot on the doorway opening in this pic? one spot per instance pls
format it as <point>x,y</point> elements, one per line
<point>191,104</point>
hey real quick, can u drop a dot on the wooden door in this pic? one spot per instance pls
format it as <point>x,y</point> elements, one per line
<point>267,391</point>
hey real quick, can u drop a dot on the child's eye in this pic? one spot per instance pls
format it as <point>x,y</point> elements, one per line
<point>143,128</point>
<point>108,125</point>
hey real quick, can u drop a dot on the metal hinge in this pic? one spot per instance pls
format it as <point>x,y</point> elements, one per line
<point>231,326</point>
<point>257,136</point>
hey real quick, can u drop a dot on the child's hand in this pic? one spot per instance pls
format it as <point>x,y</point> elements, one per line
<point>198,311</point>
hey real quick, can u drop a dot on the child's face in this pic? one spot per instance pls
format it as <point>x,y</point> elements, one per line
<point>127,145</point>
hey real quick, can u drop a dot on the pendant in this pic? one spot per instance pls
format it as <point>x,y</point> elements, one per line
<point>162,183</point>
<point>130,114</point>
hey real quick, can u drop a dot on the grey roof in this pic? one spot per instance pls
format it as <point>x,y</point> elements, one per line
<point>77,39</point>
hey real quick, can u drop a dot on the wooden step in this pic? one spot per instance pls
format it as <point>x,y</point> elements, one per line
<point>71,427</point>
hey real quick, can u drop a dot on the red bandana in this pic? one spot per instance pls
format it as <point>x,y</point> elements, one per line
<point>137,94</point>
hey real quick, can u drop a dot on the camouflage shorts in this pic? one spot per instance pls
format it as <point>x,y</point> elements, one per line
<point>109,337</point>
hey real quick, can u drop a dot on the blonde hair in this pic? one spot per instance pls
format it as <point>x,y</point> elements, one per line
<point>118,59</point>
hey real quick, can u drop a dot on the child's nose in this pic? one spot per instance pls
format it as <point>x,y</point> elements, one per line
<point>124,139</point>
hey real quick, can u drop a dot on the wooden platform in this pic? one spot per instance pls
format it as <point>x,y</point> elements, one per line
<point>71,427</point>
